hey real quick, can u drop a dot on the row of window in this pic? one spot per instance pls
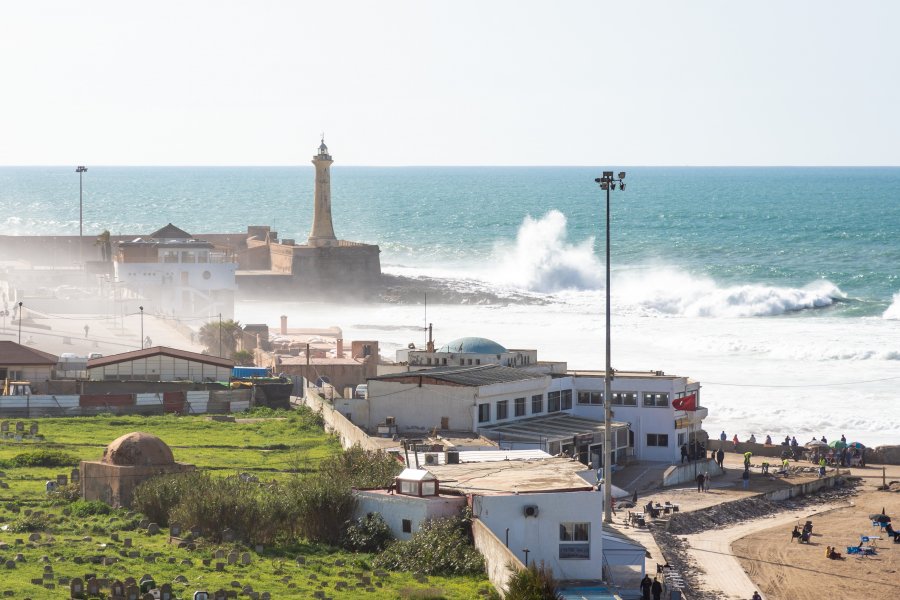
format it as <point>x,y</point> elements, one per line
<point>556,401</point>
<point>654,399</point>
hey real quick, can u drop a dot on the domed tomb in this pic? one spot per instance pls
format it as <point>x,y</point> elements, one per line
<point>473,345</point>
<point>127,462</point>
<point>138,449</point>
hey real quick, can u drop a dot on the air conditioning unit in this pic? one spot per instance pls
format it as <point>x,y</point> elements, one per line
<point>530,511</point>
<point>431,458</point>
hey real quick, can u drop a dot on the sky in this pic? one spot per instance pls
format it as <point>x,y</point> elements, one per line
<point>462,82</point>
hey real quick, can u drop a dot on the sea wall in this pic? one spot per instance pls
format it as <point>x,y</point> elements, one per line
<point>882,455</point>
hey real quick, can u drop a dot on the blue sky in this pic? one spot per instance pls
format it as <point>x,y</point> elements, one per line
<point>450,83</point>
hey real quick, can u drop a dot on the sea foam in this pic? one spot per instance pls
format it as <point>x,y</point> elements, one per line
<point>893,311</point>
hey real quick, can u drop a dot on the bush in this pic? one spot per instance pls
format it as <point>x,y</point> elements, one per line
<point>86,508</point>
<point>533,583</point>
<point>44,458</point>
<point>29,523</point>
<point>66,493</point>
<point>323,504</point>
<point>440,547</point>
<point>362,469</point>
<point>369,534</point>
<point>156,498</point>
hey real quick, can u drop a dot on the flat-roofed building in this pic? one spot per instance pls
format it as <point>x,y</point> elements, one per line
<point>160,364</point>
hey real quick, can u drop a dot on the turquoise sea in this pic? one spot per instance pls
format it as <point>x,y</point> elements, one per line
<point>777,288</point>
<point>783,227</point>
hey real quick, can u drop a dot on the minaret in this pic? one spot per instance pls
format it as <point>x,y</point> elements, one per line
<point>322,233</point>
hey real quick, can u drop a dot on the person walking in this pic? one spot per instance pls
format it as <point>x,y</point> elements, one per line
<point>746,477</point>
<point>656,588</point>
<point>706,479</point>
<point>720,457</point>
<point>645,587</point>
<point>700,479</point>
<point>87,328</point>
<point>684,453</point>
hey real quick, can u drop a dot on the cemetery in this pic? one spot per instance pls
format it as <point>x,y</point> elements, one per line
<point>56,544</point>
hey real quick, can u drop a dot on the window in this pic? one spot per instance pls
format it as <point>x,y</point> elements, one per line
<point>567,399</point>
<point>477,361</point>
<point>625,398</point>
<point>470,361</point>
<point>484,413</point>
<point>409,487</point>
<point>520,407</point>
<point>407,526</point>
<point>553,402</point>
<point>444,361</point>
<point>682,439</point>
<point>502,409</point>
<point>575,541</point>
<point>656,399</point>
<point>590,397</point>
<point>660,440</point>
<point>537,404</point>
<point>429,361</point>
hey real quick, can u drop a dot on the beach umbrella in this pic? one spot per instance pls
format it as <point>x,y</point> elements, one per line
<point>816,444</point>
<point>838,444</point>
<point>882,518</point>
<point>856,445</point>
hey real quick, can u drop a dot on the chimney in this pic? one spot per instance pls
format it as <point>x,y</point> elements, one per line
<point>283,324</point>
<point>340,347</point>
<point>430,345</point>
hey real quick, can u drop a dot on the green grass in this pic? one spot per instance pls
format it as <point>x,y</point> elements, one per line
<point>268,448</point>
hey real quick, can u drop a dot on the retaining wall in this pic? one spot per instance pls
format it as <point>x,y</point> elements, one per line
<point>349,433</point>
<point>499,562</point>
<point>688,472</point>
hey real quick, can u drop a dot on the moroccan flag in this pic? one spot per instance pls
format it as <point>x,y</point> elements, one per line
<point>686,403</point>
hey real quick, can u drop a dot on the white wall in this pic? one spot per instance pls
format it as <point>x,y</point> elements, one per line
<point>541,534</point>
<point>419,407</point>
<point>161,368</point>
<point>396,507</point>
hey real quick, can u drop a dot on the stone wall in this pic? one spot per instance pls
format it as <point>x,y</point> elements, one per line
<point>349,433</point>
<point>688,472</point>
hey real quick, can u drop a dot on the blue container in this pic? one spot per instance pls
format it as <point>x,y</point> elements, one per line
<point>248,372</point>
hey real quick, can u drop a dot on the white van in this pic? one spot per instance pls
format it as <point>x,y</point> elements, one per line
<point>362,391</point>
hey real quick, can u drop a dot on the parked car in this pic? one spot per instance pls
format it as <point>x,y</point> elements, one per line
<point>362,391</point>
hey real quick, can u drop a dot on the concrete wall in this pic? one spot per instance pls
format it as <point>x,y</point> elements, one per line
<point>394,508</point>
<point>349,433</point>
<point>688,472</point>
<point>541,534</point>
<point>115,484</point>
<point>499,561</point>
<point>423,407</point>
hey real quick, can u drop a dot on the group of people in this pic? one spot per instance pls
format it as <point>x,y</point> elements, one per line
<point>693,451</point>
<point>703,482</point>
<point>649,587</point>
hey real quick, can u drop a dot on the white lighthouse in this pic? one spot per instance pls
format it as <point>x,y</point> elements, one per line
<point>322,233</point>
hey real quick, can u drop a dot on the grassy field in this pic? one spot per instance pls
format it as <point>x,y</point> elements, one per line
<point>70,538</point>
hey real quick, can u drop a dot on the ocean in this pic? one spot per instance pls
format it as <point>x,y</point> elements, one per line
<point>778,289</point>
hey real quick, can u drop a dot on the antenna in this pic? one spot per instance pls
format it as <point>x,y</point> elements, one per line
<point>425,294</point>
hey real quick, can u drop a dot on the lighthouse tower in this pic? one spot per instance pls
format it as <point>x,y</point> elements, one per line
<point>322,233</point>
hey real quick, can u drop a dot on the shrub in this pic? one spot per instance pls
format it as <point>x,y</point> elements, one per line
<point>322,503</point>
<point>44,458</point>
<point>66,493</point>
<point>440,547</point>
<point>156,498</point>
<point>369,534</point>
<point>29,523</point>
<point>533,583</point>
<point>362,469</point>
<point>86,508</point>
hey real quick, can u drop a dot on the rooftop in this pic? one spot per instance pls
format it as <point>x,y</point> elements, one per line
<point>473,345</point>
<point>160,350</point>
<point>12,353</point>
<point>465,376</point>
<point>554,426</point>
<point>541,475</point>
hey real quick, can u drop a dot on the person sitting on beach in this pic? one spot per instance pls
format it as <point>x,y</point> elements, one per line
<point>722,436</point>
<point>888,529</point>
<point>832,554</point>
<point>756,596</point>
<point>752,439</point>
<point>768,440</point>
<point>735,440</point>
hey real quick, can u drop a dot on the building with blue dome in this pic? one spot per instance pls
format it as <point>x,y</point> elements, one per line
<point>474,351</point>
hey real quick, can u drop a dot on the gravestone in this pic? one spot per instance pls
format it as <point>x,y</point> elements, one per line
<point>144,523</point>
<point>114,536</point>
<point>126,542</point>
<point>232,558</point>
<point>171,560</point>
<point>181,579</point>
<point>4,428</point>
<point>50,487</point>
<point>20,427</point>
<point>245,558</point>
<point>75,475</point>
<point>34,537</point>
<point>165,592</point>
<point>62,479</point>
<point>10,564</point>
<point>76,588</point>
<point>265,596</point>
<point>220,566</point>
<point>219,554</point>
<point>118,590</point>
<point>33,429</point>
<point>93,587</point>
<point>186,562</point>
<point>196,532</point>
<point>259,548</point>
<point>247,589</point>
<point>175,530</point>
<point>132,592</point>
<point>147,583</point>
<point>148,596</point>
<point>152,528</point>
<point>220,595</point>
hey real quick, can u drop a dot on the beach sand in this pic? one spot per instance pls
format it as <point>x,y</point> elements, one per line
<point>783,569</point>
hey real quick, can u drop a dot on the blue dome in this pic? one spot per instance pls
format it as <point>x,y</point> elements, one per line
<point>473,345</point>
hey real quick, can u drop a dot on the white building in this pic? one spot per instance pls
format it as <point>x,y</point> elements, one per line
<point>160,364</point>
<point>513,406</point>
<point>177,274</point>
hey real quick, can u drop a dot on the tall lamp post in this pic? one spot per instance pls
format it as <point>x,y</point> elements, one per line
<point>80,170</point>
<point>608,182</point>
<point>220,334</point>
<point>20,323</point>
<point>142,326</point>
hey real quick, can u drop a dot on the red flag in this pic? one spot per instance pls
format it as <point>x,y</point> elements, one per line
<point>685,403</point>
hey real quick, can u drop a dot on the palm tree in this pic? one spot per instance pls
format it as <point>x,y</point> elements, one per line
<point>214,335</point>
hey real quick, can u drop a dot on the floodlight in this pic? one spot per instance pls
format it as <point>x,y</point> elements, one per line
<point>622,175</point>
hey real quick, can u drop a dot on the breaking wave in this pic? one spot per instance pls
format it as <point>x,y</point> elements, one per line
<point>543,260</point>
<point>893,311</point>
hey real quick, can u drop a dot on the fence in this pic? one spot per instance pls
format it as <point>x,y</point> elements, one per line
<point>192,402</point>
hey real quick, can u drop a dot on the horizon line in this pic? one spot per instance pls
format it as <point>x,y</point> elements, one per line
<point>470,166</point>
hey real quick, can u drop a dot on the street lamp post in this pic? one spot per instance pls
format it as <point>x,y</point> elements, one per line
<point>142,326</point>
<point>220,334</point>
<point>80,170</point>
<point>608,182</point>
<point>20,323</point>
